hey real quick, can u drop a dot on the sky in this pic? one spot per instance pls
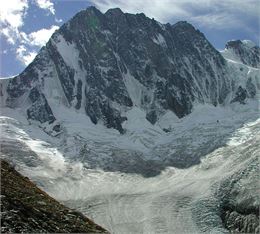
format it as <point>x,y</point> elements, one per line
<point>26,25</point>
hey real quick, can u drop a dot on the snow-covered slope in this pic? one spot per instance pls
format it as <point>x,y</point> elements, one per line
<point>243,59</point>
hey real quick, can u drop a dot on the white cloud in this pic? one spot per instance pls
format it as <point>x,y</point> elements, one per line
<point>58,20</point>
<point>217,21</point>
<point>13,11</point>
<point>39,38</point>
<point>210,13</point>
<point>25,56</point>
<point>161,10</point>
<point>30,44</point>
<point>9,34</point>
<point>46,5</point>
<point>12,16</point>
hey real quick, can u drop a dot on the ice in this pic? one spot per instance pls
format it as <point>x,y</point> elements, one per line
<point>176,200</point>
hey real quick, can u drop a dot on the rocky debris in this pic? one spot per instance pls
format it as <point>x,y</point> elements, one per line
<point>237,222</point>
<point>240,95</point>
<point>27,209</point>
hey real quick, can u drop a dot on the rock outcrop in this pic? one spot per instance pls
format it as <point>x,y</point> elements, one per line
<point>27,209</point>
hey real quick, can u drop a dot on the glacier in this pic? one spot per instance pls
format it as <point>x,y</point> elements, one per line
<point>123,199</point>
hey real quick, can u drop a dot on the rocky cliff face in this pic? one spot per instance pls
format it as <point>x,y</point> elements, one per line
<point>105,64</point>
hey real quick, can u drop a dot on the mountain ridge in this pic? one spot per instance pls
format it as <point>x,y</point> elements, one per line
<point>105,64</point>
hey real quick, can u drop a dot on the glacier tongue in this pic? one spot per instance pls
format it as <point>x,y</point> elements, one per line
<point>96,170</point>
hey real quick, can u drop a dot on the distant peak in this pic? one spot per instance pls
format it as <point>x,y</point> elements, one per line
<point>233,44</point>
<point>183,24</point>
<point>93,9</point>
<point>114,11</point>
<point>249,43</point>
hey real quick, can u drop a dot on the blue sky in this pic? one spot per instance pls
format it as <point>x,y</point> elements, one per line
<point>26,25</point>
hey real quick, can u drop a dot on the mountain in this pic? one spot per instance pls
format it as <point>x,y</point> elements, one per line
<point>27,209</point>
<point>106,64</point>
<point>143,127</point>
<point>244,51</point>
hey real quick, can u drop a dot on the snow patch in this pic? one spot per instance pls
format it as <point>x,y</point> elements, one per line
<point>159,40</point>
<point>249,43</point>
<point>134,88</point>
<point>68,51</point>
<point>139,131</point>
<point>70,54</point>
<point>168,120</point>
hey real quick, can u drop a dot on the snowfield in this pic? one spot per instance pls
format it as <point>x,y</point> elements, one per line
<point>146,181</point>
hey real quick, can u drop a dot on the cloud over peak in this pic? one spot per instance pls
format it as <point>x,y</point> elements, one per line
<point>40,37</point>
<point>209,13</point>
<point>25,56</point>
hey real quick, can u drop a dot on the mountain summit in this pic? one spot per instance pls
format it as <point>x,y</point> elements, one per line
<point>245,51</point>
<point>105,64</point>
